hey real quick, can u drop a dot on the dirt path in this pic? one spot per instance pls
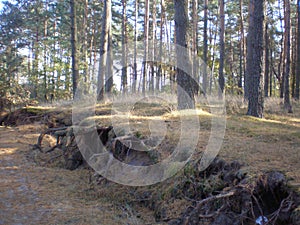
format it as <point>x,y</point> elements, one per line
<point>38,195</point>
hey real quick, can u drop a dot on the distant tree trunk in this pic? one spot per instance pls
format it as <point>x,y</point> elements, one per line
<point>271,74</point>
<point>242,49</point>
<point>297,89</point>
<point>104,48</point>
<point>281,64</point>
<point>205,46</point>
<point>162,22</point>
<point>135,47</point>
<point>109,69</point>
<point>124,48</point>
<point>222,48</point>
<point>266,83</point>
<point>53,63</point>
<point>195,48</point>
<point>45,62</point>
<point>255,58</point>
<point>85,43</point>
<point>35,64</point>
<point>146,41</point>
<point>185,92</point>
<point>153,64</point>
<point>68,77</point>
<point>293,58</point>
<point>213,41</point>
<point>287,43</point>
<point>75,72</point>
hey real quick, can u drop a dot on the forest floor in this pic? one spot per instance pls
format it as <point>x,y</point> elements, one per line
<point>35,192</point>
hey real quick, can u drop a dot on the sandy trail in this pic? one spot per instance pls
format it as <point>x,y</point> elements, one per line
<point>31,194</point>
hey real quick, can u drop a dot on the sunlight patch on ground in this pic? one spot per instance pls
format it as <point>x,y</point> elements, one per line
<point>10,167</point>
<point>7,151</point>
<point>192,112</point>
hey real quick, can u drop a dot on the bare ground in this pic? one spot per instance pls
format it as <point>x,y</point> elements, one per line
<point>32,194</point>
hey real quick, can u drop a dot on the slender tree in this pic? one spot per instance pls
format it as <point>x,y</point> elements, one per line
<point>104,64</point>
<point>222,48</point>
<point>161,36</point>
<point>153,47</point>
<point>75,72</point>
<point>146,49</point>
<point>134,80</point>
<point>124,47</point>
<point>205,46</point>
<point>266,82</point>
<point>287,47</point>
<point>242,49</point>
<point>85,43</point>
<point>297,89</point>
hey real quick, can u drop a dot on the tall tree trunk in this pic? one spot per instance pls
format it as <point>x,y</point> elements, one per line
<point>281,64</point>
<point>213,41</point>
<point>242,49</point>
<point>255,58</point>
<point>266,82</point>
<point>134,80</point>
<point>85,43</point>
<point>162,22</point>
<point>222,48</point>
<point>293,59</point>
<point>45,86</point>
<point>287,47</point>
<point>53,64</point>
<point>75,72</point>
<point>205,46</point>
<point>35,64</point>
<point>124,48</point>
<point>195,49</point>
<point>109,69</point>
<point>185,92</point>
<point>153,64</point>
<point>104,48</point>
<point>67,72</point>
<point>146,41</point>
<point>271,73</point>
<point>297,89</point>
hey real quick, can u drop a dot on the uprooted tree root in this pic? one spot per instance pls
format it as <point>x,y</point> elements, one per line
<point>225,194</point>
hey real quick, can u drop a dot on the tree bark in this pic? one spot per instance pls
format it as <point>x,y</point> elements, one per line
<point>297,89</point>
<point>266,83</point>
<point>75,72</point>
<point>153,52</point>
<point>162,22</point>
<point>124,48</point>
<point>222,48</point>
<point>185,94</point>
<point>134,80</point>
<point>255,58</point>
<point>242,50</point>
<point>104,64</point>
<point>146,41</point>
<point>287,43</point>
<point>85,44</point>
<point>205,46</point>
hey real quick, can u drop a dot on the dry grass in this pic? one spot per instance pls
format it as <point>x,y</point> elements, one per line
<point>34,193</point>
